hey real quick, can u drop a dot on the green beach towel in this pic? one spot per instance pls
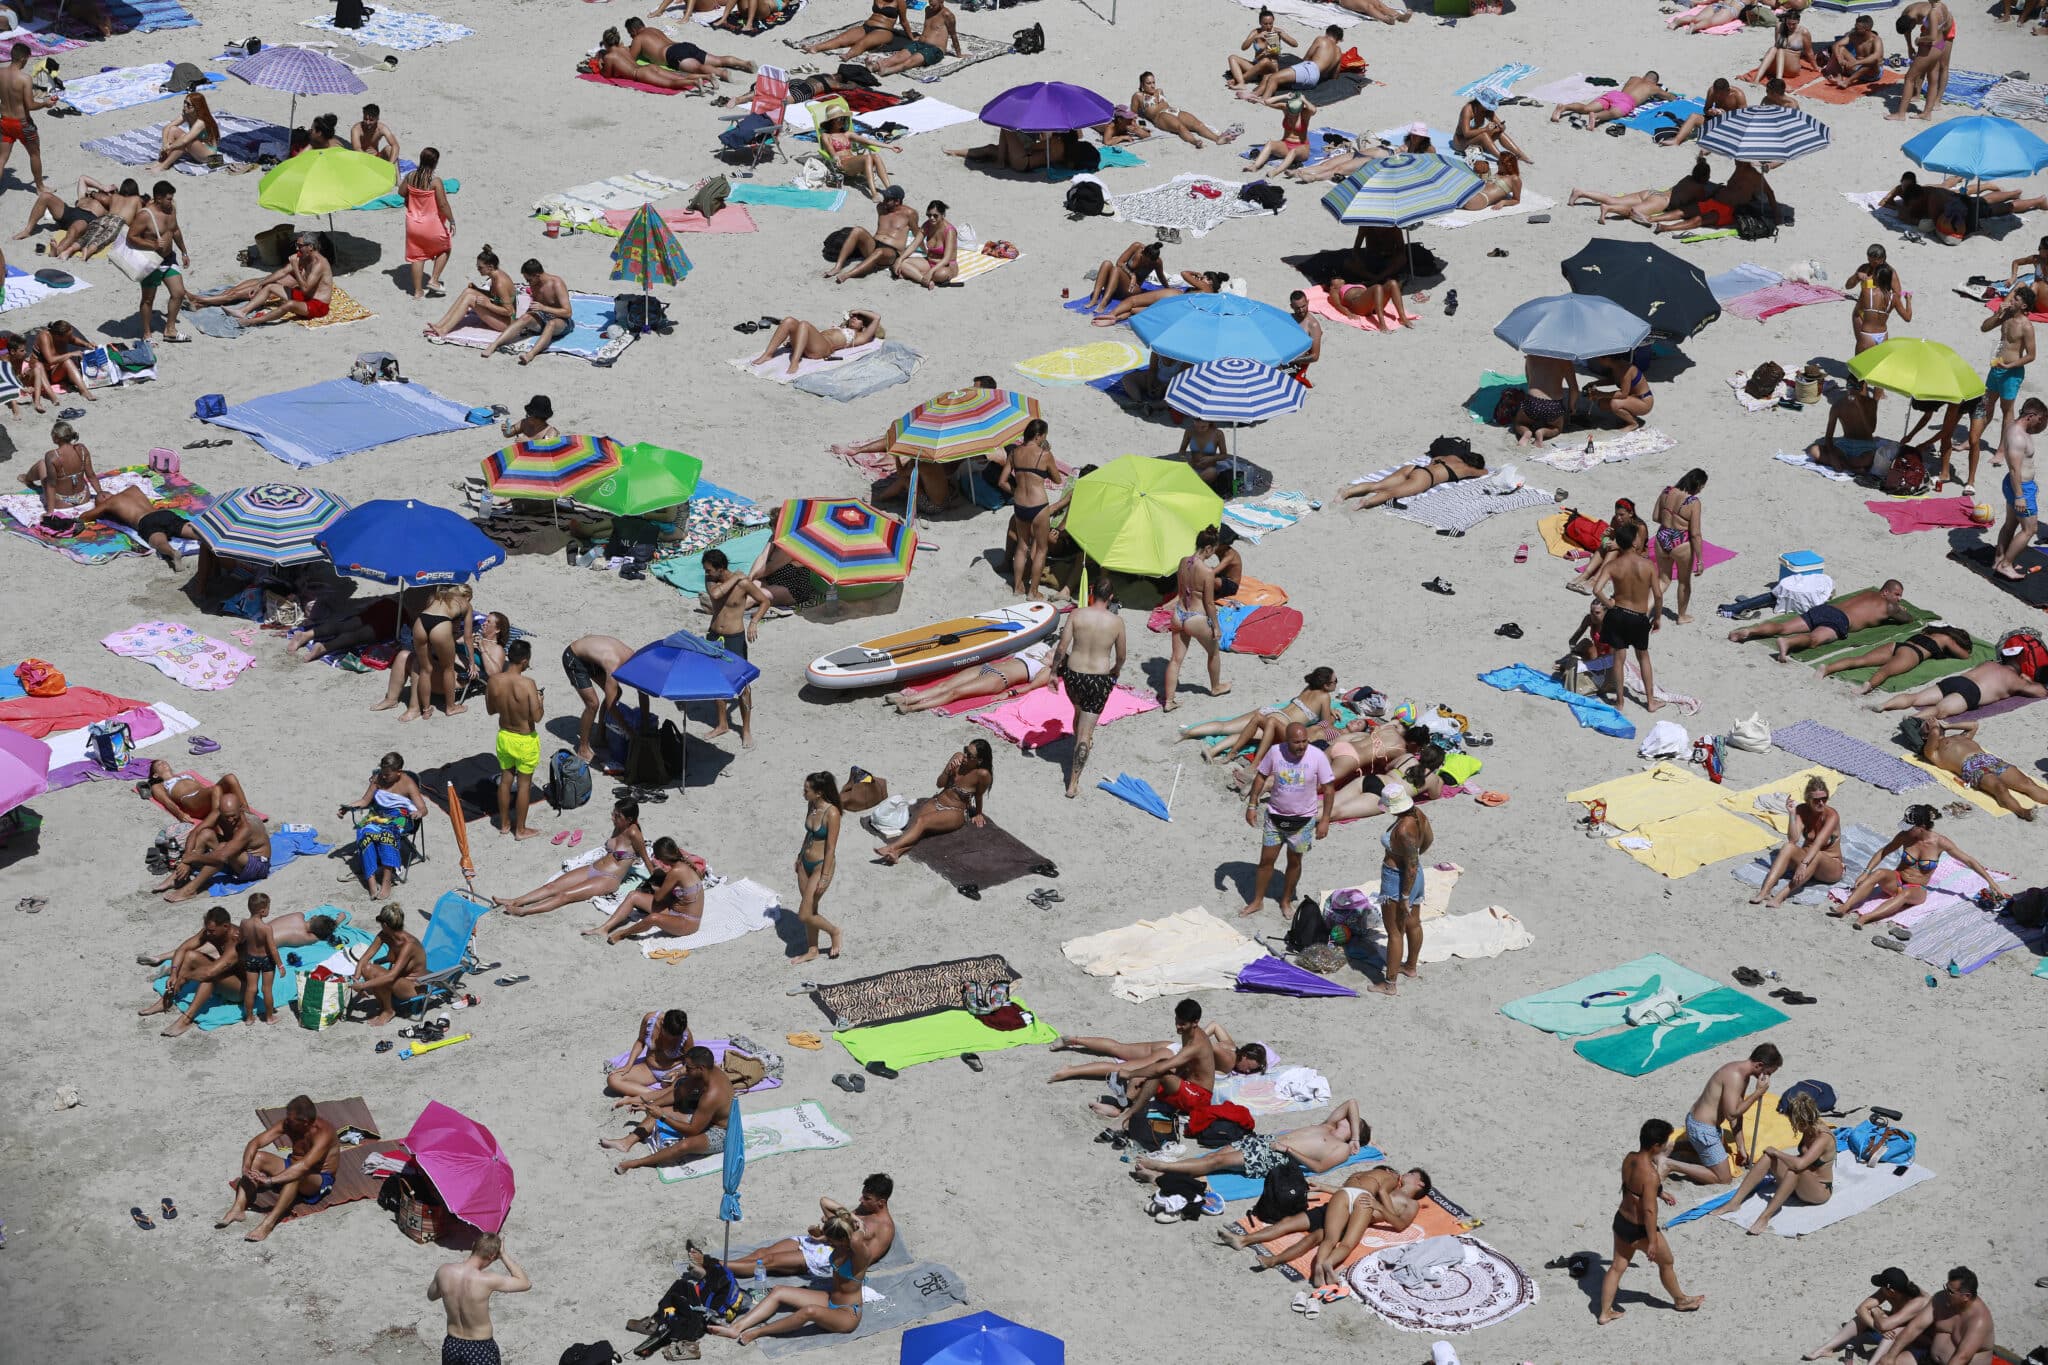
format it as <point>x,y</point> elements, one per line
<point>1492,383</point>
<point>788,197</point>
<point>1707,1021</point>
<point>396,199</point>
<point>946,1034</point>
<point>1861,641</point>
<point>1560,1011</point>
<point>1981,652</point>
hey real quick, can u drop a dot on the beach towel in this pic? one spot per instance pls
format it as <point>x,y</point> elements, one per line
<point>1817,743</point>
<point>1189,951</point>
<point>1968,87</point>
<point>1045,716</point>
<point>1746,278</point>
<point>1502,78</point>
<point>2017,99</point>
<point>147,725</point>
<point>979,856</point>
<point>731,218</point>
<point>1083,364</point>
<point>910,992</point>
<point>1654,118</point>
<point>1255,518</point>
<point>1577,454</point>
<point>790,9</point>
<point>1590,712</point>
<point>933,1037</point>
<point>1109,159</point>
<point>974,50</point>
<point>1486,398</point>
<point>804,1127</point>
<point>919,116</point>
<point>1173,205</point>
<point>1718,30</point>
<point>1437,1216</point>
<point>1860,844</point>
<point>775,369</point>
<point>75,708</point>
<point>182,654</point>
<point>591,314</point>
<point>1857,1187</point>
<point>351,1181</point>
<point>1965,934</point>
<point>1827,92</point>
<point>1683,844</point>
<point>1907,515</point>
<point>1778,298</point>
<point>396,199</point>
<point>24,290</point>
<point>1282,1089</point>
<point>892,1303</point>
<point>1463,505</point>
<point>789,197</point>
<point>1484,1289</point>
<point>1702,1023</point>
<point>1319,304</point>
<point>624,83</point>
<point>323,422</point>
<point>287,844</point>
<point>40,44</point>
<point>98,541</point>
<point>220,1012</point>
<point>242,141</point>
<point>1645,798</point>
<point>627,191</point>
<point>1530,202</point>
<point>1869,200</point>
<point>851,376</point>
<point>147,16</point>
<point>1308,12</point>
<point>731,910</point>
<point>123,87</point>
<point>1233,1187</point>
<point>1953,785</point>
<point>1262,631</point>
<point>396,29</point>
<point>2031,589</point>
<point>1572,1010</point>
<point>1572,89</point>
<point>686,572</point>
<point>1921,674</point>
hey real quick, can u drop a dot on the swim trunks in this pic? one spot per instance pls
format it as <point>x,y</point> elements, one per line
<point>581,674</point>
<point>159,275</point>
<point>667,1136</point>
<point>1275,831</point>
<point>1706,1141</point>
<point>1966,688</point>
<point>1390,885</point>
<point>326,1178</point>
<point>254,869</point>
<point>2027,496</point>
<point>1261,1157</point>
<point>1620,101</point>
<point>161,521</point>
<point>1625,629</point>
<point>456,1351</point>
<point>1202,1110</point>
<point>1977,767</point>
<point>518,753</point>
<point>734,644</point>
<point>2003,381</point>
<point>1715,214</point>
<point>1827,616</point>
<point>927,53</point>
<point>1307,75</point>
<point>22,130</point>
<point>315,308</point>
<point>682,52</point>
<point>1088,691</point>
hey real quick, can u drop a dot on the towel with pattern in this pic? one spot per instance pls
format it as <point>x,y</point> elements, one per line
<point>1463,505</point>
<point>1746,278</point>
<point>1176,205</point>
<point>1778,298</point>
<point>122,88</point>
<point>40,44</point>
<point>587,203</point>
<point>182,654</point>
<point>97,541</point>
<point>25,290</point>
<point>1480,1288</point>
<point>2018,99</point>
<point>1968,87</point>
<point>910,992</point>
<point>242,141</point>
<point>1575,455</point>
<point>396,29</point>
<point>145,16</point>
<point>1254,519</point>
<point>1502,78</point>
<point>1817,743</point>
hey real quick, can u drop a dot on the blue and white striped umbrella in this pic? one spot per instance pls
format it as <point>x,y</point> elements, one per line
<point>1235,390</point>
<point>1765,133</point>
<point>1402,190</point>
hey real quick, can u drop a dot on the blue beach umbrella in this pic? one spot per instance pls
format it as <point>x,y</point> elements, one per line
<point>1138,792</point>
<point>1765,133</point>
<point>734,1168</point>
<point>1199,327</point>
<point>1402,190</point>
<point>981,1339</point>
<point>1573,327</point>
<point>408,543</point>
<point>1980,147</point>
<point>685,667</point>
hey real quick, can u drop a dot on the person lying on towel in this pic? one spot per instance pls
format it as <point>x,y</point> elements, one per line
<point>1185,1081</point>
<point>235,845</point>
<point>1980,685</point>
<point>1381,1197</point>
<point>874,1232</point>
<point>155,523</point>
<point>1317,1148</point>
<point>1832,621</point>
<point>1243,1059</point>
<point>681,1123</point>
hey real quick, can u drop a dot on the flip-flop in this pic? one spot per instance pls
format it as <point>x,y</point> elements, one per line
<point>1511,630</point>
<point>1522,554</point>
<point>1212,1203</point>
<point>802,988</point>
<point>851,1084</point>
<point>884,1070</point>
<point>1491,798</point>
<point>1311,1305</point>
<point>971,890</point>
<point>809,1042</point>
<point>973,1061</point>
<point>1437,585</point>
<point>559,836</point>
<point>170,1209</point>
<point>1300,1302</point>
<point>141,1219</point>
<point>575,837</point>
<point>200,744</point>
<point>1750,976</point>
<point>512,980</point>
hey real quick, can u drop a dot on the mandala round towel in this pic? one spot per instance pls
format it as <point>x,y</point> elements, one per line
<point>1485,1290</point>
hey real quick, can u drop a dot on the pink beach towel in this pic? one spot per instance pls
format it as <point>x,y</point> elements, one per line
<point>1036,719</point>
<point>593,77</point>
<point>731,218</point>
<point>1778,298</point>
<point>1319,304</point>
<point>1924,514</point>
<point>1711,554</point>
<point>182,654</point>
<point>1718,30</point>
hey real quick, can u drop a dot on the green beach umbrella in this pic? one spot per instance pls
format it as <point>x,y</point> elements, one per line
<point>325,182</point>
<point>648,478</point>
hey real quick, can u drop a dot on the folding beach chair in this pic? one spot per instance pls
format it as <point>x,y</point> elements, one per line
<point>756,132</point>
<point>412,845</point>
<point>447,947</point>
<point>823,112</point>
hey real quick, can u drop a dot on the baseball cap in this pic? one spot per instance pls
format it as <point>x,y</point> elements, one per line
<point>1891,1277</point>
<point>893,192</point>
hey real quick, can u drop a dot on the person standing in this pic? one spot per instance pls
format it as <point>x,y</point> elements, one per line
<point>2022,492</point>
<point>591,661</point>
<point>815,860</point>
<point>727,596</point>
<point>1194,618</point>
<point>1677,513</point>
<point>1087,661</point>
<point>155,232</point>
<point>512,697</point>
<point>464,1288</point>
<point>1635,605</point>
<point>1297,813</point>
<point>2010,356</point>
<point>429,225</point>
<point>1401,885</point>
<point>1635,1225</point>
<point>18,104</point>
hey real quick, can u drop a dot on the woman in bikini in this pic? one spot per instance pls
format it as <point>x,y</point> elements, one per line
<point>1340,159</point>
<point>1919,849</point>
<point>837,1309</point>
<point>1635,1224</point>
<point>58,348</point>
<point>1193,619</point>
<point>1125,276</point>
<point>625,846</point>
<point>816,859</point>
<point>1502,187</point>
<point>443,634</point>
<point>1370,301</point>
<point>1314,704</point>
<point>1192,282</point>
<point>1232,1057</point>
<point>1813,848</point>
<point>1931,28</point>
<point>192,136</point>
<point>493,306</point>
<point>1291,147</point>
<point>186,798</point>
<point>807,341</point>
<point>655,1057</point>
<point>1677,514</point>
<point>674,905</point>
<point>1936,640</point>
<point>1595,570</point>
<point>1630,399</point>
<point>1791,51</point>
<point>1027,471</point>
<point>855,154</point>
<point>886,20</point>
<point>395,804</point>
<point>1025,671</point>
<point>65,473</point>
<point>1451,458</point>
<point>963,785</point>
<point>1876,301</point>
<point>1151,104</point>
<point>937,260</point>
<point>1270,47</point>
<point>1807,1173</point>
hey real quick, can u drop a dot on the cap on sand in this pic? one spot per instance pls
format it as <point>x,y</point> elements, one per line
<point>1394,796</point>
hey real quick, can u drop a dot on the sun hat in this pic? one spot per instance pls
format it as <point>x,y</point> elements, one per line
<point>1396,798</point>
<point>1487,96</point>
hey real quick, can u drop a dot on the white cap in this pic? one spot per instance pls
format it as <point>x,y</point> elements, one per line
<point>1396,798</point>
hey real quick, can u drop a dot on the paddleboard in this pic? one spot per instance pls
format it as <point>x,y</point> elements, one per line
<point>936,648</point>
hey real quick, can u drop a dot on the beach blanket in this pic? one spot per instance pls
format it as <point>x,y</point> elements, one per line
<point>323,422</point>
<point>731,218</point>
<point>1746,278</point>
<point>686,572</point>
<point>1869,200</point>
<point>1308,12</point>
<point>1502,78</point>
<point>1282,1089</point>
<point>221,1012</point>
<point>909,992</point>
<point>1110,159</point>
<point>1921,674</point>
<point>933,1037</point>
<point>1572,89</point>
<point>76,708</point>
<point>147,16</point>
<point>775,369</point>
<point>352,1182</point>
<point>850,376</point>
<point>1654,118</point>
<point>1463,505</point>
<point>40,44</point>
<point>1483,1290</point>
<point>1530,202</point>
<point>976,857</point>
<point>1969,87</point>
<point>1437,1216</point>
<point>1172,205</point>
<point>1319,304</point>
<point>919,116</point>
<point>1255,518</point>
<point>1645,798</point>
<point>1576,454</point>
<point>789,197</point>
<point>591,314</point>
<point>396,29</point>
<point>287,844</point>
<point>589,203</point>
<point>804,1127</point>
<point>1083,364</point>
<point>1857,1187</point>
<point>1782,297</point>
<point>1233,1187</point>
<point>1718,30</point>
<point>1798,460</point>
<point>396,199</point>
<point>1590,712</point>
<point>24,290</point>
<point>147,725</point>
<point>1906,515</point>
<point>974,49</point>
<point>1189,951</point>
<point>242,141</point>
<point>1683,844</point>
<point>1817,743</point>
<point>123,87</point>
<point>1486,397</point>
<point>731,910</point>
<point>2018,99</point>
<point>790,9</point>
<point>1963,933</point>
<point>1702,1023</point>
<point>98,541</point>
<point>1044,716</point>
<point>182,654</point>
<point>892,1303</point>
<point>1594,1003</point>
<point>1817,87</point>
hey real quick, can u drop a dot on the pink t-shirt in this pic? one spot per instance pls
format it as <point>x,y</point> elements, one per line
<point>1296,786</point>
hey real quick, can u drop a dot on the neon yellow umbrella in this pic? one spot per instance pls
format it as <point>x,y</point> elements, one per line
<point>328,181</point>
<point>1926,370</point>
<point>1139,515</point>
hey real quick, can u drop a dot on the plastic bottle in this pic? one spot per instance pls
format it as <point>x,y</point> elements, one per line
<point>758,1289</point>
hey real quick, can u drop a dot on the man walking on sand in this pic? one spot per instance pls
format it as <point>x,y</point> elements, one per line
<point>1089,656</point>
<point>464,1288</point>
<point>516,702</point>
<point>1732,1091</point>
<point>1635,607</point>
<point>1296,814</point>
<point>2010,356</point>
<point>2022,492</point>
<point>18,104</point>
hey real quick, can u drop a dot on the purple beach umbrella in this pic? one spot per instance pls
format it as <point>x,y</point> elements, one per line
<point>298,71</point>
<point>1278,976</point>
<point>1047,107</point>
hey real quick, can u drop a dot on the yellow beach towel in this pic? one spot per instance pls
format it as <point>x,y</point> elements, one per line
<point>1079,364</point>
<point>1644,798</point>
<point>1683,844</point>
<point>1792,786</point>
<point>340,309</point>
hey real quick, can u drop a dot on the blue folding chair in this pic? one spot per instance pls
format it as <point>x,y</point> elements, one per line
<point>447,947</point>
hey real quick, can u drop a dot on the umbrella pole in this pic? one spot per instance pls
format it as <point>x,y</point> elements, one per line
<point>910,504</point>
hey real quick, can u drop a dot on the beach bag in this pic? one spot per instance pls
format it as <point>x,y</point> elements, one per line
<point>2029,908</point>
<point>1307,928</point>
<point>1352,60</point>
<point>644,767</point>
<point>711,196</point>
<point>210,405</point>
<point>1751,736</point>
<point>1151,1128</point>
<point>745,132</point>
<point>591,1353</point>
<point>1285,1194</point>
<point>890,817</point>
<point>1896,1147</point>
<point>1265,194</point>
<point>1085,199</point>
<point>1584,532</point>
<point>639,312</point>
<point>568,784</point>
<point>853,73</point>
<point>39,678</point>
<point>835,242</point>
<point>1752,226</point>
<point>672,750</point>
<point>1508,406</point>
<point>110,742</point>
<point>1907,478</point>
<point>1084,157</point>
<point>1823,1095</point>
<point>1029,41</point>
<point>1765,380</point>
<point>373,367</point>
<point>1221,1133</point>
<point>321,1001</point>
<point>132,261</point>
<point>1654,1010</point>
<point>162,461</point>
<point>349,13</point>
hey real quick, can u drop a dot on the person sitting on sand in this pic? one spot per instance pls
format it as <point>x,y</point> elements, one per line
<point>1317,65</point>
<point>1972,689</point>
<point>64,476</point>
<point>1935,640</point>
<point>235,846</point>
<point>864,252</point>
<point>834,1310</point>
<point>939,38</point>
<point>1633,93</point>
<point>1626,396</point>
<point>89,225</point>
<point>395,804</point>
<point>673,903</point>
<point>1857,57</point>
<point>1292,146</point>
<point>963,788</point>
<point>1721,98</point>
<point>1813,848</point>
<point>1732,1091</point>
<point>651,45</point>
<point>590,661</point>
<point>1451,459</point>
<point>1746,189</point>
<point>623,847</point>
<point>1150,103</point>
<point>1025,671</point>
<point>1892,1303</point>
<point>305,1177</point>
<point>1920,851</point>
<point>549,312</point>
<point>1184,1082</point>
<point>186,798</point>
<point>209,961</point>
<point>680,1122</point>
<point>352,624</point>
<point>154,523</point>
<point>1852,414</point>
<point>1125,277</point>
<point>1836,620</point>
<point>874,1233</point>
<point>398,979</point>
<point>1791,51</point>
<point>1314,704</point>
<point>652,1062</point>
<point>1952,747</point>
<point>935,259</point>
<point>1241,1059</point>
<point>1271,47</point>
<point>304,294</point>
<point>886,21</point>
<point>1955,1323</point>
<point>808,341</point>
<point>493,307</point>
<point>1316,1148</point>
<point>1480,126</point>
<point>1807,1172</point>
<point>192,136</point>
<point>1635,1225</point>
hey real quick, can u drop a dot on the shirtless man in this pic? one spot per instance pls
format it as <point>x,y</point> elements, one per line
<point>302,291</point>
<point>155,229</point>
<point>880,249</point>
<point>1832,621</point>
<point>1857,56</point>
<point>398,978</point>
<point>728,597</point>
<point>1317,1148</point>
<point>1297,308</point>
<point>1955,1322</point>
<point>590,661</point>
<point>656,47</point>
<point>374,136</point>
<point>88,225</point>
<point>548,313</point>
<point>209,961</point>
<point>2010,356</point>
<point>513,698</point>
<point>1089,657</point>
<point>1980,685</point>
<point>2022,492</point>
<point>1746,188</point>
<point>18,104</point>
<point>1641,204</point>
<point>1550,396</point>
<point>874,1232</point>
<point>1381,1197</point>
<point>1952,747</point>
<point>1192,1064</point>
<point>1732,1091</point>
<point>1854,415</point>
<point>1248,1059</point>
<point>187,799</point>
<point>939,38</point>
<point>1721,98</point>
<point>237,846</point>
<point>1194,619</point>
<point>1635,92</point>
<point>464,1288</point>
<point>157,525</point>
<point>305,1177</point>
<point>683,1123</point>
<point>1317,65</point>
<point>1633,595</point>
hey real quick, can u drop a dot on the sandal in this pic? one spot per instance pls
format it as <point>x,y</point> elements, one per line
<point>851,1084</point>
<point>1437,585</point>
<point>170,1209</point>
<point>200,744</point>
<point>1300,1302</point>
<point>973,1061</point>
<point>1749,976</point>
<point>1491,798</point>
<point>512,980</point>
<point>809,1042</point>
<point>141,1219</point>
<point>884,1070</point>
<point>1511,630</point>
<point>1522,554</point>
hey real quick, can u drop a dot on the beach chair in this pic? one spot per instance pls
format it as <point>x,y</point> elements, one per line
<point>449,958</point>
<point>412,846</point>
<point>756,132</point>
<point>823,112</point>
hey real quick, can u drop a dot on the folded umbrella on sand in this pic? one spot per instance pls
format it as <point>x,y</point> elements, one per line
<point>1138,792</point>
<point>24,768</point>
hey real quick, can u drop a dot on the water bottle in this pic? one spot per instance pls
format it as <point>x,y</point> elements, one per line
<point>757,1291</point>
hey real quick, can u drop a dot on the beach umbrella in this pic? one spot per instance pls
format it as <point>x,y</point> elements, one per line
<point>1667,291</point>
<point>1402,190</point>
<point>1047,107</point>
<point>958,425</point>
<point>1572,327</point>
<point>648,254</point>
<point>468,1168</point>
<point>1855,6</point>
<point>1271,975</point>
<point>980,1339</point>
<point>1137,792</point>
<point>1978,146</point>
<point>685,667</point>
<point>24,768</point>
<point>1139,515</point>
<point>550,468</point>
<point>268,523</point>
<point>299,71</point>
<point>408,543</point>
<point>1199,327</point>
<point>1921,369</point>
<point>733,1170</point>
<point>1765,133</point>
<point>1236,391</point>
<point>845,541</point>
<point>648,479</point>
<point>325,182</point>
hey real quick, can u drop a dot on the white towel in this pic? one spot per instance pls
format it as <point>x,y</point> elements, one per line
<point>68,746</point>
<point>1857,1187</point>
<point>731,910</point>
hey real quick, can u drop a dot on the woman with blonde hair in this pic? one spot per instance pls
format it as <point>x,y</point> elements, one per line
<point>193,136</point>
<point>1808,1173</point>
<point>837,1309</point>
<point>442,634</point>
<point>1813,847</point>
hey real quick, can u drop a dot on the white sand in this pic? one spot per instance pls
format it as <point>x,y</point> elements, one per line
<point>996,1175</point>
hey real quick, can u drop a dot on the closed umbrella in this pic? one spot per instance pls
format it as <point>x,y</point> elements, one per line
<point>1199,327</point>
<point>24,768</point>
<point>325,182</point>
<point>468,1168</point>
<point>1236,391</point>
<point>1138,792</point>
<point>733,1169</point>
<point>1765,133</point>
<point>958,425</point>
<point>298,71</point>
<point>647,253</point>
<point>408,543</point>
<point>845,541</point>
<point>268,523</point>
<point>648,479</point>
<point>1572,327</point>
<point>1402,190</point>
<point>552,468</point>
<point>1047,107</point>
<point>1139,515</point>
<point>980,1339</point>
<point>1667,291</point>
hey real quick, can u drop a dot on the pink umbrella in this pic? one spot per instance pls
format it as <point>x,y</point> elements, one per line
<point>24,768</point>
<point>465,1163</point>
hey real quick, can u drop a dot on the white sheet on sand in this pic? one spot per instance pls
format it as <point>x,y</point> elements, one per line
<point>25,289</point>
<point>1282,1090</point>
<point>587,203</point>
<point>1800,461</point>
<point>1857,1187</point>
<point>68,746</point>
<point>1570,453</point>
<point>1870,199</point>
<point>1572,89</point>
<point>1461,218</point>
<point>731,910</point>
<point>1307,11</point>
<point>1481,933</point>
<point>1190,951</point>
<point>776,367</point>
<point>919,116</point>
<point>768,1132</point>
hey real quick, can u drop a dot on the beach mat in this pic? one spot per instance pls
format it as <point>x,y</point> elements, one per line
<point>1670,113</point>
<point>350,1182</point>
<point>685,573</point>
<point>1861,641</point>
<point>897,1301</point>
<point>732,910</point>
<point>1927,670</point>
<point>909,992</point>
<point>1702,1023</point>
<point>1045,716</point>
<point>1484,1290</point>
<point>288,844</point>
<point>1234,1186</point>
<point>1857,1187</point>
<point>1438,1217</point>
<point>284,985</point>
<point>980,857</point>
<point>804,1127</point>
<point>1565,1010</point>
<point>1646,797</point>
<point>476,786</point>
<point>1906,515</point>
<point>949,1033</point>
<point>1817,743</point>
<point>99,540</point>
<point>324,422</point>
<point>2032,590</point>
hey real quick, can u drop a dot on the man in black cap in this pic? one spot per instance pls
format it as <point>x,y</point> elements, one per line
<point>882,248</point>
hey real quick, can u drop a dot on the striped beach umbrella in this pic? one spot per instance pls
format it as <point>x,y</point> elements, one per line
<point>550,469</point>
<point>647,254</point>
<point>1235,390</point>
<point>1402,190</point>
<point>268,523</point>
<point>1855,6</point>
<point>298,71</point>
<point>845,541</point>
<point>960,423</point>
<point>1765,133</point>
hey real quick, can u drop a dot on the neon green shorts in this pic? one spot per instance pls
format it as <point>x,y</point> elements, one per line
<point>518,753</point>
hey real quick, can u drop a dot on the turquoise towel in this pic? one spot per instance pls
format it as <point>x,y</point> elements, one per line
<point>284,986</point>
<point>1228,619</point>
<point>396,199</point>
<point>1559,1011</point>
<point>1111,157</point>
<point>10,688</point>
<point>788,197</point>
<point>1651,118</point>
<point>1704,1022</point>
<point>686,572</point>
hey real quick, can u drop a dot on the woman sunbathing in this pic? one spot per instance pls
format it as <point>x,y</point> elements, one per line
<point>1813,848</point>
<point>1340,159</point>
<point>1937,640</point>
<point>674,904</point>
<point>1125,276</point>
<point>1151,104</point>
<point>1369,302</point>
<point>655,1058</point>
<point>886,20</point>
<point>1019,152</point>
<point>1641,205</point>
<point>963,785</point>
<point>1711,16</point>
<point>493,306</point>
<point>1807,1173</point>
<point>1451,459</point>
<point>1192,282</point>
<point>807,341</point>
<point>192,136</point>
<point>1919,849</point>
<point>186,798</point>
<point>1312,705</point>
<point>837,1309</point>
<point>1012,677</point>
<point>1232,1057</point>
<point>626,846</point>
<point>855,154</point>
<point>1503,187</point>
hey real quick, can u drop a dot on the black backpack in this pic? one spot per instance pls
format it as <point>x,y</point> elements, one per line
<point>835,242</point>
<point>1265,194</point>
<point>1752,226</point>
<point>1083,156</point>
<point>640,312</point>
<point>1308,928</point>
<point>1285,1195</point>
<point>1028,41</point>
<point>592,1353</point>
<point>1085,199</point>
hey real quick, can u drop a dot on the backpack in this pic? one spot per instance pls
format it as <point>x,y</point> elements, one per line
<point>568,784</point>
<point>853,73</point>
<point>109,742</point>
<point>640,313</point>
<point>1085,199</point>
<point>1028,41</point>
<point>1823,1095</point>
<point>1752,226</point>
<point>1265,194</point>
<point>1907,477</point>
<point>1897,1147</point>
<point>1285,1195</point>
<point>673,752</point>
<point>1150,1129</point>
<point>1584,532</point>
<point>591,1353</point>
<point>1307,929</point>
<point>1221,1133</point>
<point>2032,659</point>
<point>372,367</point>
<point>835,241</point>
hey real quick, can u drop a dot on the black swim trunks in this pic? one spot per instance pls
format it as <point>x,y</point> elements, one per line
<point>1088,691</point>
<point>1828,616</point>
<point>1625,629</point>
<point>681,52</point>
<point>735,643</point>
<point>1630,1231</point>
<point>1966,688</point>
<point>164,522</point>
<point>581,673</point>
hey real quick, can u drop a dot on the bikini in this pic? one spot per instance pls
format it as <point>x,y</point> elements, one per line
<point>1925,866</point>
<point>1627,1228</point>
<point>889,16</point>
<point>813,834</point>
<point>1864,307</point>
<point>1034,660</point>
<point>843,1270</point>
<point>1027,515</point>
<point>1670,538</point>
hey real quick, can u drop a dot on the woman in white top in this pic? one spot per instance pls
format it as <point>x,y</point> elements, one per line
<point>1012,677</point>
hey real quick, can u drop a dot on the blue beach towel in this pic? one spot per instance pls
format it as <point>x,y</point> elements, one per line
<point>788,197</point>
<point>1228,619</point>
<point>284,985</point>
<point>1502,77</point>
<point>685,573</point>
<point>396,199</point>
<point>323,422</point>
<point>1112,159</point>
<point>286,844</point>
<point>1231,1187</point>
<point>1594,715</point>
<point>1669,113</point>
<point>1969,87</point>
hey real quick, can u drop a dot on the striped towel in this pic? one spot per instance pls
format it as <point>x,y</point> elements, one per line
<point>1817,743</point>
<point>1778,298</point>
<point>1462,506</point>
<point>1253,519</point>
<point>2018,99</point>
<point>39,44</point>
<point>1501,78</point>
<point>147,16</point>
<point>1969,87</point>
<point>975,264</point>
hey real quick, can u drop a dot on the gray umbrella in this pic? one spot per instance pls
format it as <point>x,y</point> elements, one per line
<point>1572,327</point>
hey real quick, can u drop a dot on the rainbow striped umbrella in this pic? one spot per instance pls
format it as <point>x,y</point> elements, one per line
<point>268,523</point>
<point>647,253</point>
<point>845,541</point>
<point>550,469</point>
<point>961,423</point>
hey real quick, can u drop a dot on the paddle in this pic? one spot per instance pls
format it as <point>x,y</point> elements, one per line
<point>945,637</point>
